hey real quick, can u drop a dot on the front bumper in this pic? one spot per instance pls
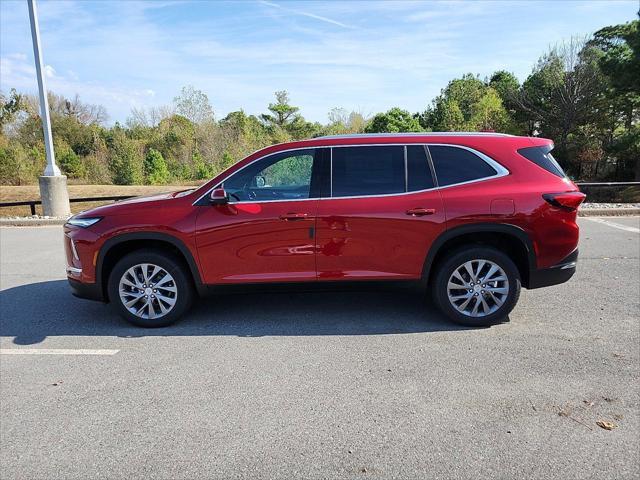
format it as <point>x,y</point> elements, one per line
<point>89,291</point>
<point>560,273</point>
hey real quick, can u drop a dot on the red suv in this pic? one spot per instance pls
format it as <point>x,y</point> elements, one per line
<point>472,216</point>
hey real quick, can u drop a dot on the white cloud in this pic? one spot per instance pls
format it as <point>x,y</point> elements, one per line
<point>49,71</point>
<point>306,14</point>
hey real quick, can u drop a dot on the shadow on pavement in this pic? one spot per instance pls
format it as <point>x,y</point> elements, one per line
<point>31,313</point>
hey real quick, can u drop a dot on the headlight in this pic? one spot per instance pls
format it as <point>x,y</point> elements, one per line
<point>83,222</point>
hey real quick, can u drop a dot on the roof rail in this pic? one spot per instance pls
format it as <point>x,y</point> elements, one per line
<point>419,134</point>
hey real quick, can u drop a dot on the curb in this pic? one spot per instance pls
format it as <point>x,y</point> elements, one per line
<point>31,222</point>
<point>608,212</point>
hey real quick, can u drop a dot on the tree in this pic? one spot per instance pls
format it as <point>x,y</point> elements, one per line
<point>126,162</point>
<point>194,105</point>
<point>342,122</point>
<point>155,168</point>
<point>488,113</point>
<point>282,113</point>
<point>461,106</point>
<point>202,170</point>
<point>620,61</point>
<point>506,84</point>
<point>393,121</point>
<point>9,107</point>
<point>564,91</point>
<point>70,163</point>
<point>84,113</point>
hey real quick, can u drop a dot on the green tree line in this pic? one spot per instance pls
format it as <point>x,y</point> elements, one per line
<point>584,94</point>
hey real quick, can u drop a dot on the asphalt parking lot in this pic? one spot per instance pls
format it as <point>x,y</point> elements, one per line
<point>342,384</point>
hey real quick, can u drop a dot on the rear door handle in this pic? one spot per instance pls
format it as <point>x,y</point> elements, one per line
<point>294,216</point>
<point>420,212</point>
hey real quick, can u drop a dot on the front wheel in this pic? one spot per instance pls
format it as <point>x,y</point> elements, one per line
<point>477,286</point>
<point>150,288</point>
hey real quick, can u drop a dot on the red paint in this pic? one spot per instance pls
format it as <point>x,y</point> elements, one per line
<point>384,237</point>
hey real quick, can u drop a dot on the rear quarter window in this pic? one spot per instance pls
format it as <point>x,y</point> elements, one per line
<point>456,165</point>
<point>542,157</point>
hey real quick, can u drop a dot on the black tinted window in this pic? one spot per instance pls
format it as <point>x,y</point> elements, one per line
<point>542,157</point>
<point>457,165</point>
<point>367,171</point>
<point>418,171</point>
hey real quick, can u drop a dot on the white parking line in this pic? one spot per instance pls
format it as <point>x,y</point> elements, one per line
<point>614,225</point>
<point>55,351</point>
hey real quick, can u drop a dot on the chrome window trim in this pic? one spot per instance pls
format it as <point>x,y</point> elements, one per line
<point>501,172</point>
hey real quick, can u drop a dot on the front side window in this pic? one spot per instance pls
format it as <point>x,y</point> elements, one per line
<point>283,176</point>
<point>456,165</point>
<point>361,171</point>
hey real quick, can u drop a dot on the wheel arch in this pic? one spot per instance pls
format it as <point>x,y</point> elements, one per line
<point>507,237</point>
<point>116,247</point>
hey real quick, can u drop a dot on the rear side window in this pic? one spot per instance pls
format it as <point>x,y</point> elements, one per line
<point>367,171</point>
<point>542,157</point>
<point>457,165</point>
<point>418,172</point>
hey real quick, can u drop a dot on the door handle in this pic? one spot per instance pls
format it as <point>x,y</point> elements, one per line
<point>294,216</point>
<point>420,212</point>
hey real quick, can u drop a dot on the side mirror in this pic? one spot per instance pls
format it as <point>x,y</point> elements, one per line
<point>218,197</point>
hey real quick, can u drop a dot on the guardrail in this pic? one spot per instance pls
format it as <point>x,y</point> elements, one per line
<point>608,184</point>
<point>32,203</point>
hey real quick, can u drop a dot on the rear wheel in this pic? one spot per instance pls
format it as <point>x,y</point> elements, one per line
<point>477,286</point>
<point>150,288</point>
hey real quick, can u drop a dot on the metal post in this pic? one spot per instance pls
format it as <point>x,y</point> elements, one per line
<point>53,185</point>
<point>51,168</point>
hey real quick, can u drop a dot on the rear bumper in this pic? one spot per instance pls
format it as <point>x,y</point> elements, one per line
<point>555,275</point>
<point>89,291</point>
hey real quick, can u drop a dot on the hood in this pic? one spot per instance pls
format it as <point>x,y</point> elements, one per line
<point>134,204</point>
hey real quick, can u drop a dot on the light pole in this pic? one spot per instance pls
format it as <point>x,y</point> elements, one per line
<point>53,185</point>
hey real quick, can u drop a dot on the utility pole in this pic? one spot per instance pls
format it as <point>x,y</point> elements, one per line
<point>53,185</point>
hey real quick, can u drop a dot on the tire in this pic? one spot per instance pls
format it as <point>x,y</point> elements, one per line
<point>490,296</point>
<point>174,284</point>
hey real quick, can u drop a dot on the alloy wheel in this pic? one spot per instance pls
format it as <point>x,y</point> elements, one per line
<point>478,288</point>
<point>148,291</point>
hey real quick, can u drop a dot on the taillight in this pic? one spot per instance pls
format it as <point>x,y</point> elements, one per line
<point>569,201</point>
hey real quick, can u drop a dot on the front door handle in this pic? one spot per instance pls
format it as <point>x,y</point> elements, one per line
<point>294,216</point>
<point>420,212</point>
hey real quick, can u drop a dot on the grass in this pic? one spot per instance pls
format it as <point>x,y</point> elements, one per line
<point>32,192</point>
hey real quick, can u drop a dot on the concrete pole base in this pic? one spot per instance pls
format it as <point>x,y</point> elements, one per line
<point>54,196</point>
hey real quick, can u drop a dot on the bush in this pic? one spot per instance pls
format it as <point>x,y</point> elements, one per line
<point>155,168</point>
<point>202,170</point>
<point>70,163</point>
<point>19,166</point>
<point>97,169</point>
<point>126,162</point>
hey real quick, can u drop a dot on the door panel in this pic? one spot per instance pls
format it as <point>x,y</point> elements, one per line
<point>267,232</point>
<point>257,242</point>
<point>377,237</point>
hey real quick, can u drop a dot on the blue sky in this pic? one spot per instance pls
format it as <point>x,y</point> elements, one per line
<point>364,56</point>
